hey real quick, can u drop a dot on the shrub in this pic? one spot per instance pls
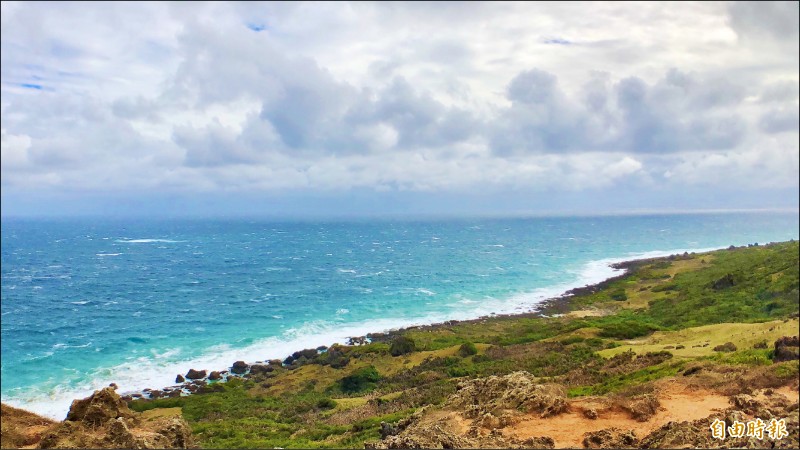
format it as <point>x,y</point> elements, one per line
<point>360,380</point>
<point>626,329</point>
<point>467,349</point>
<point>572,340</point>
<point>726,347</point>
<point>619,295</point>
<point>402,345</point>
<point>326,403</point>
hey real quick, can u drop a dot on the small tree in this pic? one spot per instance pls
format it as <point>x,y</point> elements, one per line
<point>467,349</point>
<point>402,345</point>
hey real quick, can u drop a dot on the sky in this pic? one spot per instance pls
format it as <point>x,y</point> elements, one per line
<point>304,109</point>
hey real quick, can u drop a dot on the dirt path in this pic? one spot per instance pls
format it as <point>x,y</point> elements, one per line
<point>677,404</point>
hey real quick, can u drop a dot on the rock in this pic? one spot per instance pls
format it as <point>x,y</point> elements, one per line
<point>275,362</point>
<point>120,435</point>
<point>388,429</point>
<point>98,408</point>
<point>239,367</point>
<point>309,353</point>
<point>155,394</point>
<point>195,374</point>
<point>746,403</point>
<point>103,421</point>
<point>610,438</point>
<point>681,435</point>
<point>260,368</point>
<point>113,386</point>
<point>214,376</point>
<point>590,413</point>
<point>515,391</point>
<point>489,421</point>
<point>180,379</point>
<point>642,407</point>
<point>541,442</point>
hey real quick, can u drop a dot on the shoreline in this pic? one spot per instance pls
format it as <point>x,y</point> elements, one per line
<point>548,306</point>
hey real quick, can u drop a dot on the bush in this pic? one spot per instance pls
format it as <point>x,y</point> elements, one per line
<point>467,349</point>
<point>619,295</point>
<point>402,345</point>
<point>326,403</point>
<point>360,380</point>
<point>573,340</point>
<point>726,347</point>
<point>761,344</point>
<point>626,329</point>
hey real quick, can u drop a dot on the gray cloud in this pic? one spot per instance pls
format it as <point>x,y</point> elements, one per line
<point>778,20</point>
<point>428,97</point>
<point>780,120</point>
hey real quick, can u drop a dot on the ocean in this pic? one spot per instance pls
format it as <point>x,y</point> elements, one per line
<point>87,302</point>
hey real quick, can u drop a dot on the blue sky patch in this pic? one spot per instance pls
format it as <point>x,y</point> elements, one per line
<point>256,26</point>
<point>31,86</point>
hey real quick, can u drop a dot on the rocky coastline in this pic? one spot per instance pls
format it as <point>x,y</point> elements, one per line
<point>204,380</point>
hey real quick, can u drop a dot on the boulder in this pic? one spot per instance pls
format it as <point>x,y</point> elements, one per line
<point>98,408</point>
<point>214,376</point>
<point>103,420</point>
<point>642,407</point>
<point>180,379</point>
<point>239,367</point>
<point>260,368</point>
<point>195,374</point>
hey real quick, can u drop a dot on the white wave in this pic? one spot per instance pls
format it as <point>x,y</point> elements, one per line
<point>107,254</point>
<point>82,302</point>
<point>497,245</point>
<point>345,270</point>
<point>144,241</point>
<point>342,311</point>
<point>61,345</point>
<point>425,291</point>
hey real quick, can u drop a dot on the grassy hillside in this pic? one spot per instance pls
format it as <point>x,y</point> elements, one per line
<point>663,319</point>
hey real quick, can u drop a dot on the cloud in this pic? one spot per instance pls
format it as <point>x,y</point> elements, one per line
<point>401,97</point>
<point>780,120</point>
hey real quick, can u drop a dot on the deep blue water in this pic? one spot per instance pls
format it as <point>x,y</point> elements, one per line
<point>87,302</point>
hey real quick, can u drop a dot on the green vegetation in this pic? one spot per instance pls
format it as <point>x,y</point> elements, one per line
<point>402,345</point>
<point>360,380</point>
<point>467,349</point>
<point>663,319</point>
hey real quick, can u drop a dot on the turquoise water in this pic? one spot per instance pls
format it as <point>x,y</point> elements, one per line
<point>87,302</point>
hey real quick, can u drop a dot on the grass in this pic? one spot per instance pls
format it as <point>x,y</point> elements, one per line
<point>611,341</point>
